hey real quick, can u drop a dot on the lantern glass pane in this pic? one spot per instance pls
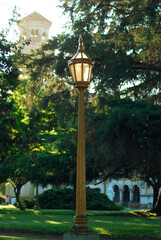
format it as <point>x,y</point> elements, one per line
<point>78,70</point>
<point>90,72</point>
<point>79,55</point>
<point>84,55</point>
<point>85,72</point>
<point>72,72</point>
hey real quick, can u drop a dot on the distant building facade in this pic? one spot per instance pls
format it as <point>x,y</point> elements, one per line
<point>128,193</point>
<point>35,28</point>
<point>125,192</point>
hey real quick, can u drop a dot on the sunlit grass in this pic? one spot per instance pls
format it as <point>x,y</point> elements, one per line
<point>117,224</point>
<point>102,231</point>
<point>53,222</point>
<point>9,206</point>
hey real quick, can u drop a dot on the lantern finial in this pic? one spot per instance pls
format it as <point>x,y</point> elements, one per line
<point>80,41</point>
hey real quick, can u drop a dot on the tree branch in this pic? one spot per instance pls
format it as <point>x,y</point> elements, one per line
<point>116,173</point>
<point>145,66</point>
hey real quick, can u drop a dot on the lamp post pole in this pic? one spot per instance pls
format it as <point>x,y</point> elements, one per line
<point>81,218</point>
<point>81,68</point>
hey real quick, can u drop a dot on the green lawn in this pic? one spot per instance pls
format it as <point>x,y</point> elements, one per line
<point>19,238</point>
<point>116,224</point>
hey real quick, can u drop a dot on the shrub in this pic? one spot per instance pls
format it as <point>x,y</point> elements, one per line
<point>2,199</point>
<point>16,204</point>
<point>29,203</point>
<point>99,201</point>
<point>59,198</point>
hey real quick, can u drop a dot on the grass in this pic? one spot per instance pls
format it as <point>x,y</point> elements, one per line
<point>18,238</point>
<point>115,224</point>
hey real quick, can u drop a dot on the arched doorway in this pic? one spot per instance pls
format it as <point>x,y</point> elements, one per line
<point>116,193</point>
<point>136,193</point>
<point>126,195</point>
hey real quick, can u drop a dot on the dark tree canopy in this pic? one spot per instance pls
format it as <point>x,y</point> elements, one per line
<point>125,43</point>
<point>127,136</point>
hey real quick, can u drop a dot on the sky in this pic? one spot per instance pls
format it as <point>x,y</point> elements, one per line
<point>47,8</point>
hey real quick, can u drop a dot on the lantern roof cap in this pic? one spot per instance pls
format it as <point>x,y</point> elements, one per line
<point>80,54</point>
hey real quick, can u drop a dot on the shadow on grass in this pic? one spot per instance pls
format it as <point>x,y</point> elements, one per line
<point>139,213</point>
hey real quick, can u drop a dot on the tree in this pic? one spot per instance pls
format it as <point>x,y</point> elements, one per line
<point>8,82</point>
<point>44,110</point>
<point>123,37</point>
<point>127,136</point>
<point>157,207</point>
<point>16,170</point>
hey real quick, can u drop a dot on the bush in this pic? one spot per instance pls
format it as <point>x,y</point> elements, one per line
<point>16,204</point>
<point>99,201</point>
<point>59,198</point>
<point>29,203</point>
<point>2,199</point>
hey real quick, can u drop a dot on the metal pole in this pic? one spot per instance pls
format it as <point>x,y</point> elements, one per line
<point>81,218</point>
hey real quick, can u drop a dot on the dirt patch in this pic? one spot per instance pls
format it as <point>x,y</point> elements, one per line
<point>15,233</point>
<point>53,236</point>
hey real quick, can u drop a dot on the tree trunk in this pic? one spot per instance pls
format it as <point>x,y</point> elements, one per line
<point>37,197</point>
<point>157,208</point>
<point>74,188</point>
<point>155,195</point>
<point>17,191</point>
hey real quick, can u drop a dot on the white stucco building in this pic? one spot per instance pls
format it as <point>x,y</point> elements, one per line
<point>35,28</point>
<point>131,194</point>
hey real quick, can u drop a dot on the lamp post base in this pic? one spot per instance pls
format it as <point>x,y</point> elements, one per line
<point>80,233</point>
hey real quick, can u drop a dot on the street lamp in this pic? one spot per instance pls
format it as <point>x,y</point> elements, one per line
<point>81,69</point>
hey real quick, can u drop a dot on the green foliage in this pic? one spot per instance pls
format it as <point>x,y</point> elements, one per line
<point>29,203</point>
<point>17,205</point>
<point>59,198</point>
<point>99,201</point>
<point>123,38</point>
<point>126,134</point>
<point>2,199</point>
<point>8,82</point>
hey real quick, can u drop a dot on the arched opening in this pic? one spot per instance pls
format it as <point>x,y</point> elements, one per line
<point>126,194</point>
<point>32,33</point>
<point>44,36</point>
<point>36,33</point>
<point>136,193</point>
<point>116,193</point>
<point>24,35</point>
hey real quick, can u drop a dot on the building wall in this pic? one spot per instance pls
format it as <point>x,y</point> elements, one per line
<point>35,28</point>
<point>27,190</point>
<point>132,194</point>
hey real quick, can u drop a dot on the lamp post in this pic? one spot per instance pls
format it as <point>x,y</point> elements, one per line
<point>81,68</point>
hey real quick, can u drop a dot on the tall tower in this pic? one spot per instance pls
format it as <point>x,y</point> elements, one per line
<point>36,28</point>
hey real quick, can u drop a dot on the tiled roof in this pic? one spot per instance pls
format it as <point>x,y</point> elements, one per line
<point>35,17</point>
